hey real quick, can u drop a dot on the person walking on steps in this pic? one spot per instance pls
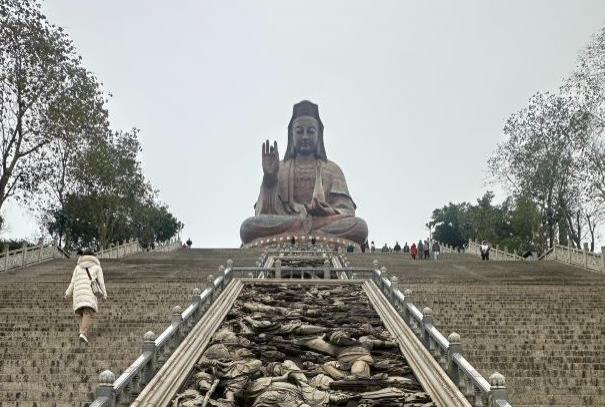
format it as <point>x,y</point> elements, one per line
<point>413,251</point>
<point>436,250</point>
<point>87,284</point>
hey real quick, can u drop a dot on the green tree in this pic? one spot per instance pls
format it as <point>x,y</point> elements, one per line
<point>111,201</point>
<point>155,223</point>
<point>487,221</point>
<point>526,233</point>
<point>84,103</point>
<point>109,175</point>
<point>451,225</point>
<point>515,224</point>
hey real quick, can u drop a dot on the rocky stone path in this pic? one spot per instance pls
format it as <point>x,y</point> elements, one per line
<point>289,344</point>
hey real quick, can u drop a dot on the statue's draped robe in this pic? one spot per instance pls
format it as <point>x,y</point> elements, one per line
<point>280,208</point>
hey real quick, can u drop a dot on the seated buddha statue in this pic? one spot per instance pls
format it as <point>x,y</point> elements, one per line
<point>305,194</point>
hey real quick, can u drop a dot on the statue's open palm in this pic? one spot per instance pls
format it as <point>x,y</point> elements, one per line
<point>270,159</point>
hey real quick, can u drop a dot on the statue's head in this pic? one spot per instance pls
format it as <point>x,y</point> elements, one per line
<point>305,132</point>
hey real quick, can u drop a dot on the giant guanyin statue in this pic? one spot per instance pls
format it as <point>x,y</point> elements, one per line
<point>305,194</point>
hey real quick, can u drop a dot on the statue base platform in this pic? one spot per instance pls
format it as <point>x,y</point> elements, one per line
<point>285,240</point>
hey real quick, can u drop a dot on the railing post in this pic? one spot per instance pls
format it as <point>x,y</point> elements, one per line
<point>40,252</point>
<point>221,272</point>
<point>6,254</point>
<point>383,275</point>
<point>105,387</point>
<point>394,289</point>
<point>454,348</point>
<point>585,252</point>
<point>427,319</point>
<point>394,283</point>
<point>569,250</point>
<point>149,346</point>
<point>210,281</point>
<point>195,298</point>
<point>497,393</point>
<point>23,254</point>
<point>603,257</point>
<point>326,269</point>
<point>176,320</point>
<point>277,268</point>
<point>407,299</point>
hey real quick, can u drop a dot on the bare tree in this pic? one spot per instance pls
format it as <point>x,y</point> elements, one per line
<point>38,70</point>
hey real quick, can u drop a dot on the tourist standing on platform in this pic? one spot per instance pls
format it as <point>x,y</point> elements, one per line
<point>484,249</point>
<point>86,285</point>
<point>413,251</point>
<point>397,247</point>
<point>436,250</point>
<point>406,248</point>
<point>373,247</point>
<point>420,249</point>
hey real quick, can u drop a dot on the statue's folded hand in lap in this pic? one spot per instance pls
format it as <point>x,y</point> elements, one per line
<point>305,193</point>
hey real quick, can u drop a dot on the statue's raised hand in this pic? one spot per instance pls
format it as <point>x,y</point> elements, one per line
<point>270,163</point>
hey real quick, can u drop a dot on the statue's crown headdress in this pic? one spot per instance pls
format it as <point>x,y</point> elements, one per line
<point>306,108</point>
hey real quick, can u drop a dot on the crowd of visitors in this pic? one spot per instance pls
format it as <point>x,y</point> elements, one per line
<point>421,250</point>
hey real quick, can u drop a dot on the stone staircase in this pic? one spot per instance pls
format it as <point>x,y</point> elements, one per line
<point>41,360</point>
<point>540,324</point>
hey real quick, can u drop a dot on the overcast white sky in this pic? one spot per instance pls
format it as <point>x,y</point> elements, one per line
<point>413,94</point>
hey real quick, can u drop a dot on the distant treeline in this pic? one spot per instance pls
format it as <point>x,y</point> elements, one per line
<point>552,162</point>
<point>515,224</point>
<point>59,155</point>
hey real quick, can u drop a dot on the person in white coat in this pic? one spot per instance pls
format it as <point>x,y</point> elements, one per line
<point>84,301</point>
